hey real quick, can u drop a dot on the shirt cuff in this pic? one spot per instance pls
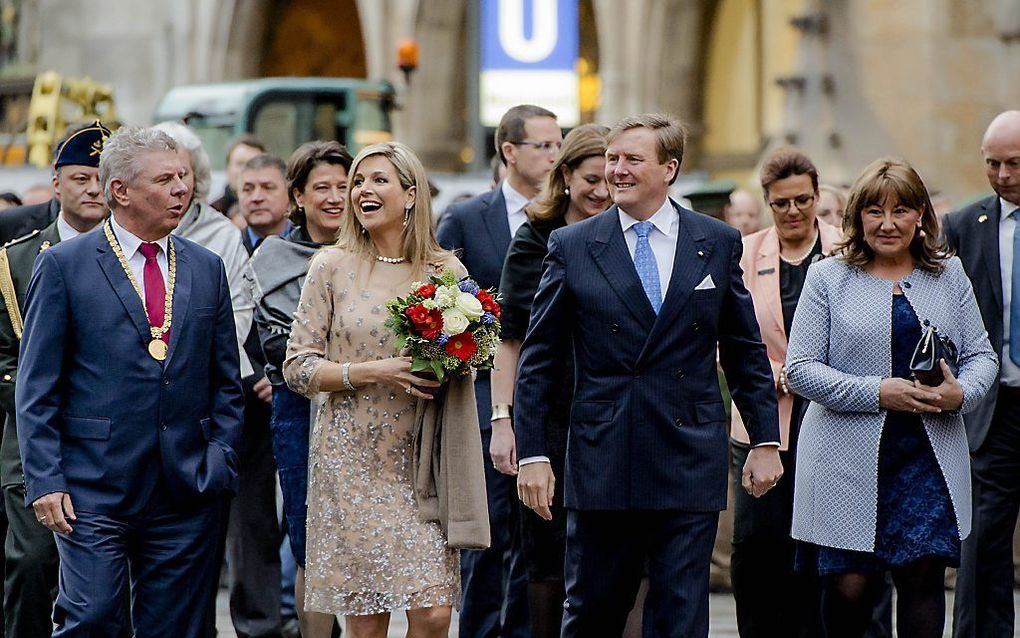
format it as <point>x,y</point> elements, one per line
<point>535,459</point>
<point>767,444</point>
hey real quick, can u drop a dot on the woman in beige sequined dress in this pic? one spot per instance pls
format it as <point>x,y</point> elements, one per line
<point>367,551</point>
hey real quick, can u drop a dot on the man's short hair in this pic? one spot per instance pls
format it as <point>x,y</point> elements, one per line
<point>245,139</point>
<point>511,125</point>
<point>670,135</point>
<point>122,152</point>
<point>266,160</point>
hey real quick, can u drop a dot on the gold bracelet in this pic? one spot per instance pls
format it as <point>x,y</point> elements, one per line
<point>500,411</point>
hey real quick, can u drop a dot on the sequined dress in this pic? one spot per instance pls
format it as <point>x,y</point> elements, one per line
<point>367,551</point>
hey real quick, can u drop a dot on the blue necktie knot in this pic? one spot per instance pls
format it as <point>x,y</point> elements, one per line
<point>646,266</point>
<point>643,229</point>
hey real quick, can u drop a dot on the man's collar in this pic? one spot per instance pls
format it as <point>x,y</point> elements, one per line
<point>129,243</point>
<point>65,230</point>
<point>514,200</point>
<point>662,219</point>
<point>1006,207</point>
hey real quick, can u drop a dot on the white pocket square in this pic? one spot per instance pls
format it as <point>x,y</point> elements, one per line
<point>706,284</point>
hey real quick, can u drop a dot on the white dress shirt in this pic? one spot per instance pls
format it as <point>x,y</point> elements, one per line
<point>662,239</point>
<point>1010,372</point>
<point>64,230</point>
<point>136,260</point>
<point>515,204</point>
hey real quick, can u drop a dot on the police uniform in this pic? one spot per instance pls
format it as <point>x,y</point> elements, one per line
<point>30,554</point>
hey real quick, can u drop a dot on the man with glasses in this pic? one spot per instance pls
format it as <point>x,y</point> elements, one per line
<point>527,142</point>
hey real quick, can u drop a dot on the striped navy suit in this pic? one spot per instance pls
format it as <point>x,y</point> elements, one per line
<point>646,464</point>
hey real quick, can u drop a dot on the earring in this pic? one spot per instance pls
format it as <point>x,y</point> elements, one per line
<point>566,191</point>
<point>921,233</point>
<point>407,216</point>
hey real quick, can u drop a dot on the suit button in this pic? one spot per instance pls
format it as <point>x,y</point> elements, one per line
<point>696,327</point>
<point>679,374</point>
<point>166,381</point>
<point>614,327</point>
<point>677,422</point>
<point>162,426</point>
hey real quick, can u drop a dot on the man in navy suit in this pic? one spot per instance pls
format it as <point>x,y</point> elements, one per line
<point>984,236</point>
<point>527,142</point>
<point>647,293</point>
<point>129,403</point>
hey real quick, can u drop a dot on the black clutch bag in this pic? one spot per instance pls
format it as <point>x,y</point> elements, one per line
<point>924,365</point>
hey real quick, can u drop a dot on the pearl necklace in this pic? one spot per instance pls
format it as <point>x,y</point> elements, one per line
<point>796,260</point>
<point>391,260</point>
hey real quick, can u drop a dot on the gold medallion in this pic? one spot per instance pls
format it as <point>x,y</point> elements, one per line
<point>158,349</point>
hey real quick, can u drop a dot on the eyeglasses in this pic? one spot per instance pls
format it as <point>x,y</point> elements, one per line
<point>545,147</point>
<point>802,202</point>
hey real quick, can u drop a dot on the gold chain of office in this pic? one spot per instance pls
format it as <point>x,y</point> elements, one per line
<point>157,347</point>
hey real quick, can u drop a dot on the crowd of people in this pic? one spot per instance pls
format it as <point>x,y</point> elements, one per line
<point>168,364</point>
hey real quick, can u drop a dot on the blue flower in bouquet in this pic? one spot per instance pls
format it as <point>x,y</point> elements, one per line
<point>442,340</point>
<point>468,286</point>
<point>488,318</point>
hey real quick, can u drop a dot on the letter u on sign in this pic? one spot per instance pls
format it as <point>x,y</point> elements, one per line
<point>543,29</point>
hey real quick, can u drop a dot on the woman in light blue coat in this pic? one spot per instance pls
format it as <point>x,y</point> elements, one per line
<point>883,470</point>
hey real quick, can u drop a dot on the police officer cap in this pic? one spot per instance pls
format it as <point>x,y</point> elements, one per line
<point>83,147</point>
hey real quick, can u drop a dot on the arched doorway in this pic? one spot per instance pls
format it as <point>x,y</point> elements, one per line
<point>303,38</point>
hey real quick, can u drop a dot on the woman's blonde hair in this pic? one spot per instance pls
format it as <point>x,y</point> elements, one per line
<point>419,245</point>
<point>588,140</point>
<point>891,177</point>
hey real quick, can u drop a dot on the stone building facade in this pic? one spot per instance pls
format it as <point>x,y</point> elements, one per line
<point>848,80</point>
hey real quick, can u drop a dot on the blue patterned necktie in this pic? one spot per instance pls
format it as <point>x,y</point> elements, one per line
<point>647,268</point>
<point>1014,301</point>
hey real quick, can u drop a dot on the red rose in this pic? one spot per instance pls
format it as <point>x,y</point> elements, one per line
<point>417,313</point>
<point>431,326</point>
<point>428,291</point>
<point>488,303</point>
<point>462,346</point>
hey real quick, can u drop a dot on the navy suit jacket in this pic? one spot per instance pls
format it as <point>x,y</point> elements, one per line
<point>647,424</point>
<point>973,234</point>
<point>479,231</point>
<point>97,416</point>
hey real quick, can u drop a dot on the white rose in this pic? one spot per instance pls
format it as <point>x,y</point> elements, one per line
<point>446,296</point>
<point>454,322</point>
<point>469,305</point>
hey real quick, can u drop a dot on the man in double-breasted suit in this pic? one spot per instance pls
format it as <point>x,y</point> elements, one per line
<point>986,237</point>
<point>647,292</point>
<point>129,403</point>
<point>527,141</point>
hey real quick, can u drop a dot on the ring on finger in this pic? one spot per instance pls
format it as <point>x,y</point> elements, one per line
<point>407,389</point>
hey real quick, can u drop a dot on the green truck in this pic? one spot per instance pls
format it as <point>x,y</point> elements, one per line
<point>283,112</point>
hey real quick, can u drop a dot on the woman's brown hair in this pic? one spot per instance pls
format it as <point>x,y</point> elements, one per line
<point>885,178</point>
<point>588,140</point>
<point>301,164</point>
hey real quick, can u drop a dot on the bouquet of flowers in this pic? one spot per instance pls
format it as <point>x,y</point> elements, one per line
<point>448,327</point>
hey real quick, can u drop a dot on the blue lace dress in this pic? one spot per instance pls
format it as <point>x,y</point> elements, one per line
<point>915,514</point>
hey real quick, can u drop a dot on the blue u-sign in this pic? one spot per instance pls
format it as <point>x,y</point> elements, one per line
<point>529,34</point>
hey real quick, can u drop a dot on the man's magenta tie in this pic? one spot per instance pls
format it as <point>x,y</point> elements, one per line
<point>155,289</point>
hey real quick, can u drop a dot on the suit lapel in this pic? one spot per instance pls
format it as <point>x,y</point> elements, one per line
<point>497,223</point>
<point>122,286</point>
<point>693,250</point>
<point>988,240</point>
<point>609,251</point>
<point>182,296</point>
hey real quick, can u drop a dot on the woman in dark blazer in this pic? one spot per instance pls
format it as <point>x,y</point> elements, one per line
<point>883,468</point>
<point>576,190</point>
